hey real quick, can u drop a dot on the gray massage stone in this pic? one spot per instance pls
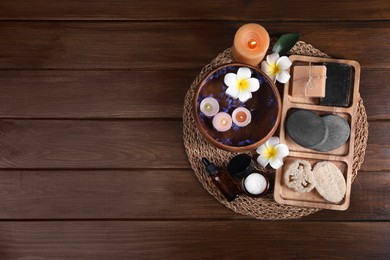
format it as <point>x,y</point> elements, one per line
<point>306,128</point>
<point>339,132</point>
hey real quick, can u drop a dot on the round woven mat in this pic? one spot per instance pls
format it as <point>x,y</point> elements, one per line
<point>197,147</point>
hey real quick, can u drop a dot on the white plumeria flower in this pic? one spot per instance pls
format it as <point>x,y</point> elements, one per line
<point>272,152</point>
<point>241,85</point>
<point>275,67</point>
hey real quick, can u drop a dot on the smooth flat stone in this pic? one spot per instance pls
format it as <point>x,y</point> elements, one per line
<point>306,128</point>
<point>339,80</point>
<point>339,132</point>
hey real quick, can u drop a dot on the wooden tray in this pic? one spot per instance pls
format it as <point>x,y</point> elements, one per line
<point>342,157</point>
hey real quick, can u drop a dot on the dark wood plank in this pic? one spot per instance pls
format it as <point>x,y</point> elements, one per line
<point>375,93</point>
<point>170,45</point>
<point>93,94</point>
<point>141,194</point>
<point>188,240</point>
<point>91,144</point>
<point>123,144</point>
<point>378,149</point>
<point>198,10</point>
<point>106,194</point>
<point>129,94</point>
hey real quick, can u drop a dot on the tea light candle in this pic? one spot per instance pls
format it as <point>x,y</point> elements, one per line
<point>241,116</point>
<point>222,122</point>
<point>256,184</point>
<point>209,106</point>
<point>251,43</point>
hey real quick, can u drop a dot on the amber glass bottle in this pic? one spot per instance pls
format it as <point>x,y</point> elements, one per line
<point>222,180</point>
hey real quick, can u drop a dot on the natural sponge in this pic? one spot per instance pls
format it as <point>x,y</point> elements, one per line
<point>298,176</point>
<point>330,181</point>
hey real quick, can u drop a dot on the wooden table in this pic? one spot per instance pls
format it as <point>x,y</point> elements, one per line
<point>91,153</point>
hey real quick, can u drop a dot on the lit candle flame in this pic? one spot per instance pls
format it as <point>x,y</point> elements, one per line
<point>208,107</point>
<point>241,116</point>
<point>252,43</point>
<point>223,122</point>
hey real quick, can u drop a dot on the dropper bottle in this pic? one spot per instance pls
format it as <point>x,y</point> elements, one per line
<point>222,180</point>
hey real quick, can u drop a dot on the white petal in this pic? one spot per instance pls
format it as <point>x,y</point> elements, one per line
<point>272,77</point>
<point>262,161</point>
<point>244,96</point>
<point>272,142</point>
<point>272,58</point>
<point>266,68</point>
<point>230,80</point>
<point>276,162</point>
<point>254,84</point>
<point>284,63</point>
<point>233,92</point>
<point>283,77</point>
<point>282,150</point>
<point>261,148</point>
<point>243,73</point>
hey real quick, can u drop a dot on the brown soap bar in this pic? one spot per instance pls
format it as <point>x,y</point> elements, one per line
<point>309,81</point>
<point>338,85</point>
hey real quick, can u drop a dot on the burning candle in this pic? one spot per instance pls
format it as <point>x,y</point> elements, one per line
<point>222,122</point>
<point>209,106</point>
<point>251,43</point>
<point>241,116</point>
<point>255,184</point>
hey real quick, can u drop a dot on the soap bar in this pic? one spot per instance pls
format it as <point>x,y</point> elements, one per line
<point>339,131</point>
<point>309,81</point>
<point>338,85</point>
<point>306,128</point>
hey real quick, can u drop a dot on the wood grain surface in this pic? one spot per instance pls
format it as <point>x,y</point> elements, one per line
<point>191,239</point>
<point>136,45</point>
<point>198,10</point>
<point>92,161</point>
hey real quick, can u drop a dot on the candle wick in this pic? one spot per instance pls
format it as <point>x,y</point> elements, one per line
<point>252,43</point>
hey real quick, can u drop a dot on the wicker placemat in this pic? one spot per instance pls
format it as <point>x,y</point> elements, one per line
<point>197,147</point>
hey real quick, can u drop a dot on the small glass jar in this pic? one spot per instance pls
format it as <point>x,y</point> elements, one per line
<point>240,166</point>
<point>255,184</point>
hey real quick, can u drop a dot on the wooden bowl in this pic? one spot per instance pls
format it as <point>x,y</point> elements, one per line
<point>265,106</point>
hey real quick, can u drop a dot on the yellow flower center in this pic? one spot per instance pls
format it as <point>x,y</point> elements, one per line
<point>270,153</point>
<point>275,69</point>
<point>243,85</point>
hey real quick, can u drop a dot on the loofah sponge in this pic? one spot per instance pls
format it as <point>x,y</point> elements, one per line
<point>330,181</point>
<point>298,176</point>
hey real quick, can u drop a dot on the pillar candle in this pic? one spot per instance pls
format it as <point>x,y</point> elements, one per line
<point>251,43</point>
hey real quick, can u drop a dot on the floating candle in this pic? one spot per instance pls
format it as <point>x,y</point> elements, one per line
<point>251,43</point>
<point>209,106</point>
<point>222,122</point>
<point>256,184</point>
<point>241,116</point>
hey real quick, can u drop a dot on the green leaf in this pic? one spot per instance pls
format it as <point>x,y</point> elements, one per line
<point>285,43</point>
